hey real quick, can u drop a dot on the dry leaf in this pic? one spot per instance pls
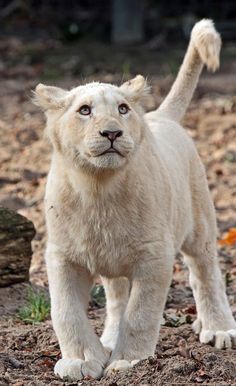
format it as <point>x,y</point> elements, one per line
<point>230,238</point>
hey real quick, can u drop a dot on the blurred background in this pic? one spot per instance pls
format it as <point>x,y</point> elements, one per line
<point>119,21</point>
<point>57,38</point>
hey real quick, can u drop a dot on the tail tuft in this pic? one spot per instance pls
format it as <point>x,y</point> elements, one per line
<point>204,48</point>
<point>207,41</point>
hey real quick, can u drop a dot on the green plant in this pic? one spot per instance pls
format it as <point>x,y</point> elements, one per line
<point>37,308</point>
<point>177,319</point>
<point>98,295</point>
<point>228,279</point>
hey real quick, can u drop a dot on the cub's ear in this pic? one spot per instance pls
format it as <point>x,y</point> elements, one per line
<point>49,97</point>
<point>136,89</point>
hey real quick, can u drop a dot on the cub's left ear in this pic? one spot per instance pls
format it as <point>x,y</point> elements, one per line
<point>136,89</point>
<point>49,97</point>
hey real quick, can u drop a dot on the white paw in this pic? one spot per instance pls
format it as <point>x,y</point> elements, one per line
<point>76,369</point>
<point>120,365</point>
<point>220,338</point>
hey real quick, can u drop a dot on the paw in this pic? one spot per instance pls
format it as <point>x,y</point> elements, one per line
<point>220,339</point>
<point>120,365</point>
<point>76,369</point>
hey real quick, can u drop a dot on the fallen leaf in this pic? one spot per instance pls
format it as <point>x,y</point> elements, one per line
<point>191,309</point>
<point>48,362</point>
<point>230,238</point>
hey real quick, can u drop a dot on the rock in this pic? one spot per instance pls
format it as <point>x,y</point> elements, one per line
<point>16,233</point>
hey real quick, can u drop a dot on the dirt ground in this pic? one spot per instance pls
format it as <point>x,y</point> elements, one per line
<point>28,353</point>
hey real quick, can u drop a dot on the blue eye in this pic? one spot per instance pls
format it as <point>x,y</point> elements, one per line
<point>85,110</point>
<point>123,108</point>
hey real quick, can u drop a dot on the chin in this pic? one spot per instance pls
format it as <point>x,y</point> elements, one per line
<point>108,161</point>
<point>100,164</point>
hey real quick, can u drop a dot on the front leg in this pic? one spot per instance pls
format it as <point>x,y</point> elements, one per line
<point>82,352</point>
<point>139,327</point>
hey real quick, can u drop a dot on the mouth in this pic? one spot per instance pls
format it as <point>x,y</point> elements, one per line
<point>111,150</point>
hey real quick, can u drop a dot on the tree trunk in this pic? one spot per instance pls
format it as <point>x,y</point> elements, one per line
<point>127,21</point>
<point>16,233</point>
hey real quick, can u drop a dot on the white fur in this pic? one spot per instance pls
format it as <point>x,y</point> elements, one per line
<point>76,369</point>
<point>120,365</point>
<point>125,216</point>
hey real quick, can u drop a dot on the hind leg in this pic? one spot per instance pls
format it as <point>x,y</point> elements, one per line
<point>117,294</point>
<point>215,322</point>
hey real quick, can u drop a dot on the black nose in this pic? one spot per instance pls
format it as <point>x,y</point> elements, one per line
<point>111,135</point>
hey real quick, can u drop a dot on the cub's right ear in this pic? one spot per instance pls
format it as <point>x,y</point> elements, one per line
<point>136,89</point>
<point>49,97</point>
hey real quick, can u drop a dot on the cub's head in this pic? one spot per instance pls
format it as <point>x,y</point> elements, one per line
<point>96,126</point>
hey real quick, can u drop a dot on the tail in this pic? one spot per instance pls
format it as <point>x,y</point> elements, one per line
<point>204,48</point>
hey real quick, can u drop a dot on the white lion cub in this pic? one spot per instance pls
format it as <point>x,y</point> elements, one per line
<point>125,193</point>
